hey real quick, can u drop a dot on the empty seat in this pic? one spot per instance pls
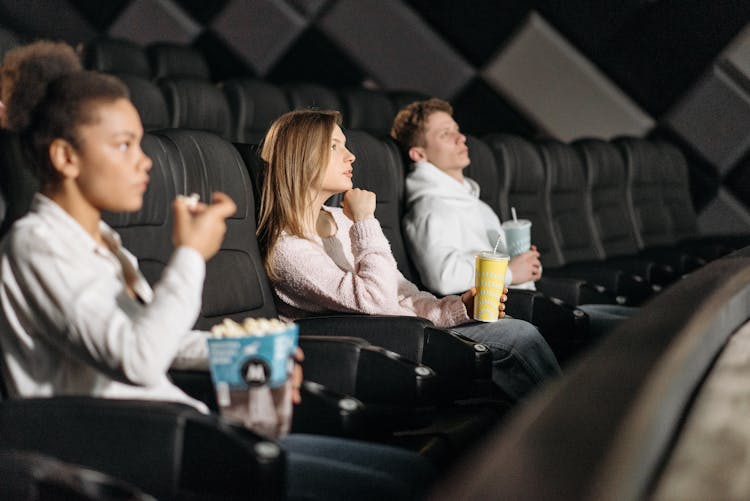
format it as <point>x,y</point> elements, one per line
<point>606,180</point>
<point>170,60</point>
<point>196,104</point>
<point>148,100</point>
<point>574,230</point>
<point>368,110</point>
<point>254,105</point>
<point>649,213</point>
<point>308,95</point>
<point>117,56</point>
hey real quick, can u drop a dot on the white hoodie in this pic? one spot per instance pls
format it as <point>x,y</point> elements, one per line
<point>446,225</point>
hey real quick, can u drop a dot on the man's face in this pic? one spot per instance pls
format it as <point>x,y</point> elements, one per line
<point>444,145</point>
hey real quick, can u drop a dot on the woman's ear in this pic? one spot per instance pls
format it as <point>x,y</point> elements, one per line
<point>416,154</point>
<point>64,158</point>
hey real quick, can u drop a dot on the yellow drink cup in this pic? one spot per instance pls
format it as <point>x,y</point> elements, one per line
<point>489,279</point>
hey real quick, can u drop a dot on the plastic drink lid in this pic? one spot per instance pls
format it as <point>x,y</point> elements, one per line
<point>493,255</point>
<point>521,223</point>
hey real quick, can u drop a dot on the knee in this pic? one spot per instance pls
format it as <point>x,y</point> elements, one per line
<point>526,337</point>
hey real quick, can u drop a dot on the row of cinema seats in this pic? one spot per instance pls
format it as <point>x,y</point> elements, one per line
<point>430,391</point>
<point>165,80</point>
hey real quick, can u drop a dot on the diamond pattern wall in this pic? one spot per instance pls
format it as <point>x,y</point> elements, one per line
<point>654,53</point>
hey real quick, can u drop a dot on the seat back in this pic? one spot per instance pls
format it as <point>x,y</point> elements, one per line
<point>606,180</point>
<point>483,169</point>
<point>368,110</point>
<point>200,162</point>
<point>17,182</point>
<point>569,203</point>
<point>117,56</point>
<point>35,477</point>
<point>254,105</point>
<point>8,41</point>
<point>170,60</point>
<point>148,100</point>
<point>675,182</point>
<point>378,168</point>
<point>196,104</point>
<point>308,95</point>
<point>649,214</point>
<point>403,98</point>
<point>521,169</point>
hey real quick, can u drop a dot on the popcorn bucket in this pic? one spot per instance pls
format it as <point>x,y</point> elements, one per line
<point>251,376</point>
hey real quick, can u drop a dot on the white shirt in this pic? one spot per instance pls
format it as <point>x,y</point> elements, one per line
<point>68,325</point>
<point>446,225</point>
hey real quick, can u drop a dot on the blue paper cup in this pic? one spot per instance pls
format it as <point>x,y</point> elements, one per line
<point>517,236</point>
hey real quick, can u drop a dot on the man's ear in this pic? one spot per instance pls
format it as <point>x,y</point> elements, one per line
<point>417,154</point>
<point>64,158</point>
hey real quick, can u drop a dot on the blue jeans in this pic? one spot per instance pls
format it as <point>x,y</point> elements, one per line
<point>521,357</point>
<point>323,468</point>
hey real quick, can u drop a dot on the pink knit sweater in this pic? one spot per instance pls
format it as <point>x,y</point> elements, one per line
<point>354,272</point>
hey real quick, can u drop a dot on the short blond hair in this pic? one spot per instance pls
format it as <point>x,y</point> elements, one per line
<point>411,121</point>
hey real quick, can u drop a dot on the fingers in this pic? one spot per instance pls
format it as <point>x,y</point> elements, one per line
<point>223,206</point>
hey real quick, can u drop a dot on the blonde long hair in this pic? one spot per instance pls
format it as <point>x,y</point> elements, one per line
<point>295,152</point>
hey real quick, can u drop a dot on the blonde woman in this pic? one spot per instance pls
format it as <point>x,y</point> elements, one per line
<point>323,259</point>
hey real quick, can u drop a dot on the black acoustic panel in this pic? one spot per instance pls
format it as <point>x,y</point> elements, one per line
<point>480,110</point>
<point>315,58</point>
<point>715,119</point>
<point>99,14</point>
<point>200,10</point>
<point>476,29</point>
<point>223,61</point>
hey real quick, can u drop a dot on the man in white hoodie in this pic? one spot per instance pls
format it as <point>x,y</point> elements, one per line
<point>446,224</point>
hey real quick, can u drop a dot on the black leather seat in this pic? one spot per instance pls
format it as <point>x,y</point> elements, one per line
<point>368,110</point>
<point>254,105</point>
<point>402,98</point>
<point>172,60</point>
<point>575,232</point>
<point>17,183</point>
<point>128,61</point>
<point>564,326</point>
<point>303,95</point>
<point>168,450</point>
<point>198,104</point>
<point>116,56</point>
<point>8,41</point>
<point>30,476</point>
<point>649,214</point>
<point>521,172</point>
<point>606,182</point>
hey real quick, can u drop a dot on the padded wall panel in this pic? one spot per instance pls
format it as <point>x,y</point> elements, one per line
<point>262,45</point>
<point>724,215</point>
<point>147,21</point>
<point>385,34</point>
<point>559,89</point>
<point>714,117</point>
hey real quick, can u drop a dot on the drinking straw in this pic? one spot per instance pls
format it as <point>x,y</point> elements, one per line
<point>500,238</point>
<point>513,211</point>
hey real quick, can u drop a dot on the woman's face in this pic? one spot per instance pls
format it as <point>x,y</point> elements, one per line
<point>112,168</point>
<point>338,174</point>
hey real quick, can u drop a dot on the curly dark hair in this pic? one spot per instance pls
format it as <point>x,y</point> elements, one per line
<point>24,76</point>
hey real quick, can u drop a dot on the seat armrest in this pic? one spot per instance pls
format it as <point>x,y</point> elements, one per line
<point>158,447</point>
<point>373,375</point>
<point>574,290</point>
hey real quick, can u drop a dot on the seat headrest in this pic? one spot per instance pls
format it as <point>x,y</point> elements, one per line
<point>564,166</point>
<point>148,100</point>
<point>309,95</point>
<point>196,104</point>
<point>113,55</point>
<point>602,162</point>
<point>368,110</point>
<point>520,159</point>
<point>173,60</point>
<point>255,104</point>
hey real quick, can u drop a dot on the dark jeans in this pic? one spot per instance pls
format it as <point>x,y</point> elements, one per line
<point>521,357</point>
<point>323,468</point>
